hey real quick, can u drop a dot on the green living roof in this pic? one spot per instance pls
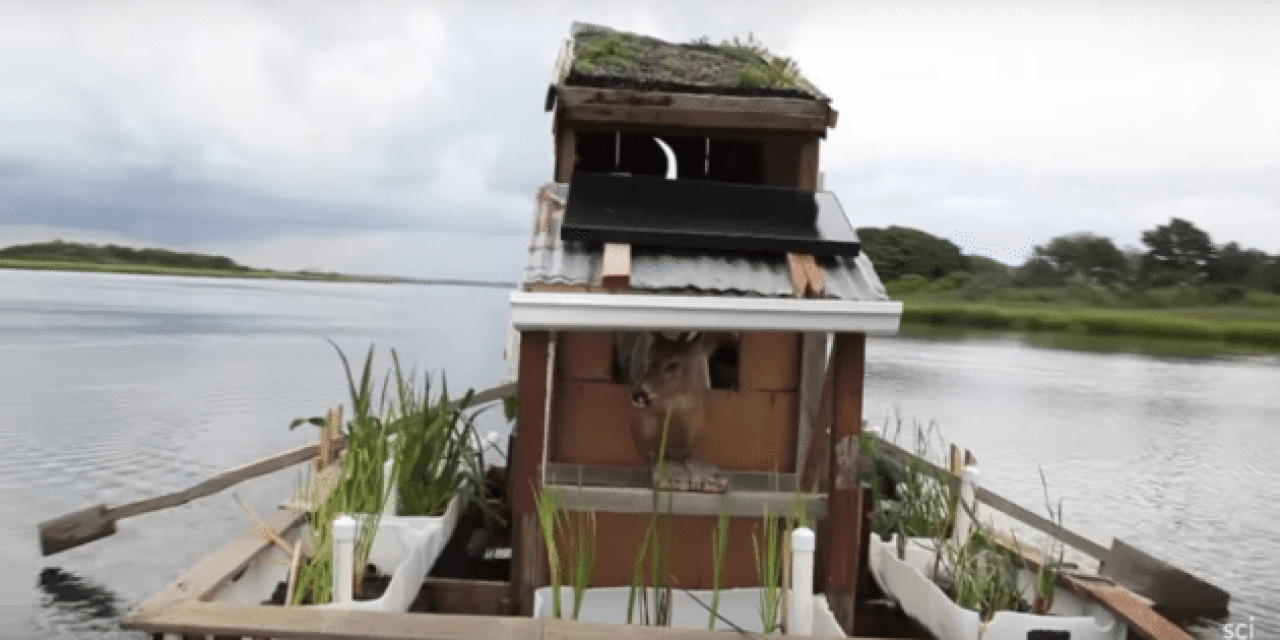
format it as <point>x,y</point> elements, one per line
<point>604,57</point>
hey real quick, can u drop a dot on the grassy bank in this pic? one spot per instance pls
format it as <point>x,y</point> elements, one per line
<point>1226,326</point>
<point>162,270</point>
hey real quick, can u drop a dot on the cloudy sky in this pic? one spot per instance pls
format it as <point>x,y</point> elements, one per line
<point>409,139</point>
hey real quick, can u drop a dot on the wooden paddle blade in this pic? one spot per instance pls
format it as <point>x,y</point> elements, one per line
<point>74,529</point>
<point>1175,592</point>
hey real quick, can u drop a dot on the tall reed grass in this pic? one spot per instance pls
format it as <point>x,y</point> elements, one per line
<point>434,455</point>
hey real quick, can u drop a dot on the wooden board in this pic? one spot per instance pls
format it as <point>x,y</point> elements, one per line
<point>536,363</point>
<point>616,272</point>
<point>1173,590</point>
<point>692,110</point>
<point>87,525</point>
<point>744,431</point>
<point>214,571</point>
<point>470,597</point>
<point>208,618</point>
<point>848,358</point>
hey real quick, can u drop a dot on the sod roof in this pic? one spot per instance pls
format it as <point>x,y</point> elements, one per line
<point>604,57</point>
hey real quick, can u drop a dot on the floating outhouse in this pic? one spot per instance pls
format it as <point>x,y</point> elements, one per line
<point>686,197</point>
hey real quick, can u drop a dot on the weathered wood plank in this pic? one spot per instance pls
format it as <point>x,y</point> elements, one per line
<point>223,618</point>
<point>215,570</point>
<point>469,597</point>
<point>1135,612</point>
<point>848,358</point>
<point>733,503</point>
<point>90,524</point>
<point>597,96</point>
<point>809,450</point>
<point>536,348</point>
<point>566,150</point>
<point>616,273</point>
<point>1173,590</point>
<point>799,275</point>
<point>699,119</point>
<point>579,475</point>
<point>809,165</point>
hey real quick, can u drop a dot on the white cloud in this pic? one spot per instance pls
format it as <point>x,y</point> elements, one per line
<point>1049,86</point>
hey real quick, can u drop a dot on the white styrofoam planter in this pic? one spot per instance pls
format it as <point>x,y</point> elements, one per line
<point>405,547</point>
<point>741,606</point>
<point>909,582</point>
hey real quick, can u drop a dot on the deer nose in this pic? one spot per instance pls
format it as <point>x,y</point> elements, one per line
<point>640,398</point>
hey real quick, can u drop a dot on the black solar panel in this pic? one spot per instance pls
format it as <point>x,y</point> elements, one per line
<point>701,214</point>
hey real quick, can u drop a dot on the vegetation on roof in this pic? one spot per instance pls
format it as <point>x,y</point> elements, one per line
<point>606,57</point>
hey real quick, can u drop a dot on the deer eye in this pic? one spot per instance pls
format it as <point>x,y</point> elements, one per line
<point>671,367</point>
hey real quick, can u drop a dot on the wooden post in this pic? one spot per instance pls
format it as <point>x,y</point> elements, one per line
<point>808,178</point>
<point>616,272</point>
<point>566,151</point>
<point>525,477</point>
<point>844,507</point>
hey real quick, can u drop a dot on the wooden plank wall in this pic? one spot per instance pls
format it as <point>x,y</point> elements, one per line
<point>525,476</point>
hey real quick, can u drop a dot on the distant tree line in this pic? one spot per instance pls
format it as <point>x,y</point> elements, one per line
<point>58,251</point>
<point>1177,253</point>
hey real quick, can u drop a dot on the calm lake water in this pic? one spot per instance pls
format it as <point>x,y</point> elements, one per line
<point>114,388</point>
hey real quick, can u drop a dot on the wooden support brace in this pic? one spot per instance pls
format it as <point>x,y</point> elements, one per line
<point>616,274</point>
<point>267,531</point>
<point>844,506</point>
<point>806,277</point>
<point>817,283</point>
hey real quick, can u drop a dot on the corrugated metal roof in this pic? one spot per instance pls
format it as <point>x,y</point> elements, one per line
<point>555,263</point>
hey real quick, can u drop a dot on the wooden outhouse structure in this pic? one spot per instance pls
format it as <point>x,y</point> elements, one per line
<point>734,160</point>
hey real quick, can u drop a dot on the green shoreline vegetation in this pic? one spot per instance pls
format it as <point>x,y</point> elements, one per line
<point>72,256</point>
<point>1183,296</point>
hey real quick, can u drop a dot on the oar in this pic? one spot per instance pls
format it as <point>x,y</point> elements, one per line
<point>87,525</point>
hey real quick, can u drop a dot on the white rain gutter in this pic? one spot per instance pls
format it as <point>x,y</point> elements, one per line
<point>539,311</point>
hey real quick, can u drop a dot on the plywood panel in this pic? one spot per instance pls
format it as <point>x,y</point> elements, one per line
<point>769,360</point>
<point>591,425</point>
<point>585,355</point>
<point>619,537</point>
<point>744,430</point>
<point>750,431</point>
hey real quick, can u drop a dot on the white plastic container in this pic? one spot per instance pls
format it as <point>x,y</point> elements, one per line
<point>406,547</point>
<point>741,606</point>
<point>909,582</point>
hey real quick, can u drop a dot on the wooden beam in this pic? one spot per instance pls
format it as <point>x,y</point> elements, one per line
<point>616,273</point>
<point>566,150</point>
<point>848,358</point>
<point>689,110</point>
<point>470,597</point>
<point>87,525</point>
<point>233,619</point>
<point>799,275</point>
<point>817,282</point>
<point>732,503</point>
<point>525,475</point>
<point>809,165</point>
<point>1134,611</point>
<point>215,570</point>
<point>806,276</point>
<point>813,363</point>
<point>699,119</point>
<point>210,618</point>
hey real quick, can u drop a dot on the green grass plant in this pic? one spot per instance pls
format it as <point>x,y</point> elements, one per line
<point>719,550</point>
<point>983,576</point>
<point>547,516</point>
<point>769,567</point>
<point>434,456</point>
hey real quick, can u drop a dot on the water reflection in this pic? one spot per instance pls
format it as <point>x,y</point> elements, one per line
<point>75,598</point>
